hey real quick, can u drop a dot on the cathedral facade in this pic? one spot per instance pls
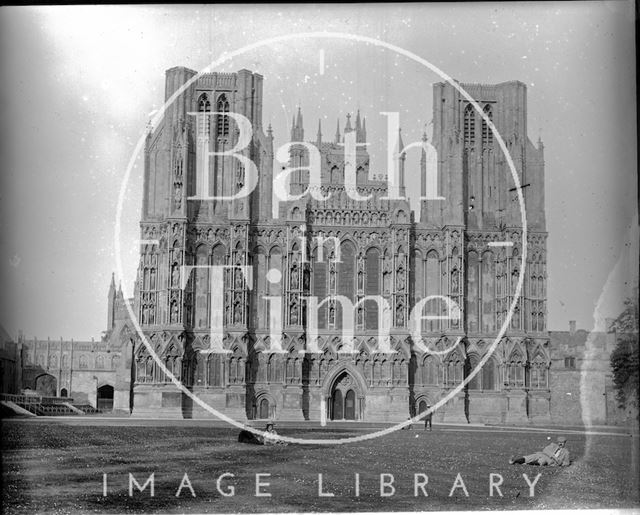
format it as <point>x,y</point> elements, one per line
<point>466,247</point>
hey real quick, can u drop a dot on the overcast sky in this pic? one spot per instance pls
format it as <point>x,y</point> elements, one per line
<point>79,84</point>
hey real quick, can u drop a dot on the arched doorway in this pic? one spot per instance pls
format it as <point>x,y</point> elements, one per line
<point>337,407</point>
<point>422,406</point>
<point>105,398</point>
<point>350,405</point>
<point>263,408</point>
<point>344,399</point>
<point>46,385</point>
<point>63,392</point>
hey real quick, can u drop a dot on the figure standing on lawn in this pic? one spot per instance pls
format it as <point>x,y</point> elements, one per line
<point>427,420</point>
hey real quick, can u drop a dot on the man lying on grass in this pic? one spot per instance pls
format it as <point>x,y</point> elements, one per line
<point>554,454</point>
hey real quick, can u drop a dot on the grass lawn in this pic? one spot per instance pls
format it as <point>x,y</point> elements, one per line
<point>53,467</point>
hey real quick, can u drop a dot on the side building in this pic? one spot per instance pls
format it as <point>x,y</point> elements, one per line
<point>95,372</point>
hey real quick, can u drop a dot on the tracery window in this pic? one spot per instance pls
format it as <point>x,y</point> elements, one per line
<point>469,127</point>
<point>515,372</point>
<point>204,107</point>
<point>538,374</point>
<point>454,369</point>
<point>223,119</point>
<point>487,135</point>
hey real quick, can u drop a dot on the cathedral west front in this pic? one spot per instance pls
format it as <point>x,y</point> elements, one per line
<point>331,246</point>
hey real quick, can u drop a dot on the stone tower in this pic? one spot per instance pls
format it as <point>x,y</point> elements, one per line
<point>472,239</point>
<point>182,226</point>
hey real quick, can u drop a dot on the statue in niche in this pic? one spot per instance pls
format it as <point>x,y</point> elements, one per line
<point>454,280</point>
<point>174,312</point>
<point>238,280</point>
<point>294,274</point>
<point>400,315</point>
<point>332,278</point>
<point>145,314</point>
<point>515,319</point>
<point>175,276</point>
<point>306,278</point>
<point>332,314</point>
<point>293,311</point>
<point>227,314</point>
<point>237,314</point>
<point>386,274</point>
<point>400,279</point>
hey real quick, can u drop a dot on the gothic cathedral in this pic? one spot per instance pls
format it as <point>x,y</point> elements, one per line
<point>336,248</point>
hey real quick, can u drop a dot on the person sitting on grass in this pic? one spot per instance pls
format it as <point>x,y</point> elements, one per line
<point>271,437</point>
<point>553,455</point>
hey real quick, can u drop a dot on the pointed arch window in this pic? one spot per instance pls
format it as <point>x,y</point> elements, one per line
<point>204,107</point>
<point>469,127</point>
<point>140,371</point>
<point>223,119</point>
<point>346,278</point>
<point>202,293</point>
<point>516,372</point>
<point>538,374</point>
<point>489,375</point>
<point>320,287</point>
<point>487,135</point>
<point>372,287</point>
<point>432,289</point>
